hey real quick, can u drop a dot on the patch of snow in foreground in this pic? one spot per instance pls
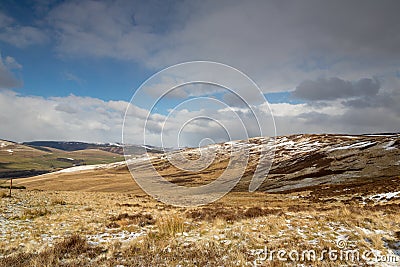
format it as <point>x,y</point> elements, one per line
<point>384,196</point>
<point>123,236</point>
<point>289,143</point>
<point>370,232</point>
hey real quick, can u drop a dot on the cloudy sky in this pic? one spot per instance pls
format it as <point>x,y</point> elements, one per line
<point>68,69</point>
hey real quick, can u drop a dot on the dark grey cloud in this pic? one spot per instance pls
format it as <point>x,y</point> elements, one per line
<point>335,88</point>
<point>353,121</point>
<point>281,45</point>
<point>233,100</point>
<point>65,107</point>
<point>284,42</point>
<point>388,101</point>
<point>7,78</point>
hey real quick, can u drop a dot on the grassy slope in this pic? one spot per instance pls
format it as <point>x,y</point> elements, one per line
<point>28,158</point>
<point>111,180</point>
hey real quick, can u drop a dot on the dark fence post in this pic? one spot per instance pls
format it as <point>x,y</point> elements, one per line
<point>10,186</point>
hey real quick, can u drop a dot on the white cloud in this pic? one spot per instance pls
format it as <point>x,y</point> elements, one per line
<point>20,35</point>
<point>94,120</point>
<point>5,20</point>
<point>72,77</point>
<point>12,63</point>
<point>59,118</point>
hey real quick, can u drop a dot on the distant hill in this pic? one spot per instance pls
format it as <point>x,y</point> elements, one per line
<point>110,147</point>
<point>66,146</point>
<point>23,160</point>
<point>28,159</point>
<point>304,162</point>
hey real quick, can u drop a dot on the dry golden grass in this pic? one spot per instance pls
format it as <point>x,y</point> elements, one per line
<point>71,251</point>
<point>169,225</point>
<point>223,233</point>
<point>58,201</point>
<point>3,194</point>
<point>105,219</point>
<point>34,212</point>
<point>151,251</point>
<point>124,219</point>
<point>112,180</point>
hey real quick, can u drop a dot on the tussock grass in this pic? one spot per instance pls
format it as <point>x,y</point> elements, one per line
<point>34,213</point>
<point>58,201</point>
<point>123,219</point>
<point>212,213</point>
<point>163,252</point>
<point>13,187</point>
<point>71,251</point>
<point>3,194</point>
<point>170,225</point>
<point>229,214</point>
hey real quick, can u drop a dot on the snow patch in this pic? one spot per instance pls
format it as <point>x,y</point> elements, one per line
<point>123,236</point>
<point>379,135</point>
<point>389,146</point>
<point>102,166</point>
<point>384,196</point>
<point>370,232</point>
<point>356,145</point>
<point>115,144</point>
<point>350,136</point>
<point>81,168</point>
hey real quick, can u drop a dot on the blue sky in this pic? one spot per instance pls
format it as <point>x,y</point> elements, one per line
<point>48,73</point>
<point>319,73</point>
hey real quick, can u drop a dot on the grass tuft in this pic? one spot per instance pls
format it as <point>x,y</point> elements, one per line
<point>58,201</point>
<point>141,219</point>
<point>35,212</point>
<point>169,226</point>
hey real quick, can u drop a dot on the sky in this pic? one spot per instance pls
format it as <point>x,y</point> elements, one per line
<point>68,69</point>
